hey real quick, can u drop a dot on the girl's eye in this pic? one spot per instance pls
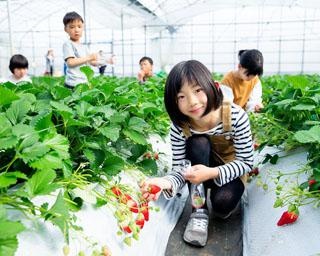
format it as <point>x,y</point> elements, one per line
<point>180,97</point>
<point>198,90</point>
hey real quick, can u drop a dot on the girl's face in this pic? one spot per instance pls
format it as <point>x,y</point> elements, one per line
<point>20,72</point>
<point>192,101</point>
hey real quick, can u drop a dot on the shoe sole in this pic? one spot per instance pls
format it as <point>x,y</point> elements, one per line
<point>194,242</point>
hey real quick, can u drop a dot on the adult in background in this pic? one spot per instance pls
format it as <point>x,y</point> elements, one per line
<point>49,63</point>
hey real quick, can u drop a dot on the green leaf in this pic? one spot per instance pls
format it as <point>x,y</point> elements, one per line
<point>87,71</point>
<point>50,161</point>
<point>108,111</point>
<point>74,203</point>
<point>274,159</point>
<point>7,96</point>
<point>8,246</point>
<point>267,158</point>
<point>17,111</point>
<point>59,144</point>
<point>308,136</point>
<point>307,107</point>
<point>43,124</point>
<point>149,166</point>
<point>9,229</point>
<point>59,214</point>
<point>41,183</point>
<point>10,178</point>
<point>8,142</point>
<point>137,124</point>
<point>28,136</point>
<point>33,152</point>
<point>111,132</point>
<point>135,137</point>
<point>113,164</point>
<point>304,185</point>
<point>60,93</point>
<point>118,117</point>
<point>285,102</point>
<point>5,125</point>
<point>61,107</point>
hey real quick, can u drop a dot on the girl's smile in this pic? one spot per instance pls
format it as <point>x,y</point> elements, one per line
<point>192,101</point>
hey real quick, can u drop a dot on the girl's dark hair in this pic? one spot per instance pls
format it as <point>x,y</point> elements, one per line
<point>252,61</point>
<point>18,61</point>
<point>191,72</point>
<point>71,16</point>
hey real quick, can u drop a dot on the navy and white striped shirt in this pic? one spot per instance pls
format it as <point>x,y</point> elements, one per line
<point>242,140</point>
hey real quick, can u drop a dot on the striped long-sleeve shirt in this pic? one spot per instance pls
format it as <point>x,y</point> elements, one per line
<point>242,140</point>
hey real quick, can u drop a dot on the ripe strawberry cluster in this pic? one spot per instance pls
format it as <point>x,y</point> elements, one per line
<point>132,217</point>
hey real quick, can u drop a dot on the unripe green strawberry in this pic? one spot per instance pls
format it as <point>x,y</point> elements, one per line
<point>66,250</point>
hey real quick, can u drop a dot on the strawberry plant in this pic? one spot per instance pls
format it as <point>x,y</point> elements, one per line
<point>54,140</point>
<point>291,119</point>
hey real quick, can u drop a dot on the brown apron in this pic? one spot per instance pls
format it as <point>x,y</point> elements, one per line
<point>222,145</point>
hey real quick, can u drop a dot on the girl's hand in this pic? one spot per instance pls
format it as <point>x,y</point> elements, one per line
<point>150,188</point>
<point>199,173</point>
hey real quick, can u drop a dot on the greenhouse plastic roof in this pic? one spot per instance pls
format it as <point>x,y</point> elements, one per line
<point>29,15</point>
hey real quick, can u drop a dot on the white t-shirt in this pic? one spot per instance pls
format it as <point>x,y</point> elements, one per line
<point>73,50</point>
<point>12,79</point>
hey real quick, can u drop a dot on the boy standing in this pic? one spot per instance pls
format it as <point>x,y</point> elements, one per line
<point>245,82</point>
<point>19,68</point>
<point>146,69</point>
<point>74,53</point>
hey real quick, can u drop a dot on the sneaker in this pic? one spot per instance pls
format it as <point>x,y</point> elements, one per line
<point>196,232</point>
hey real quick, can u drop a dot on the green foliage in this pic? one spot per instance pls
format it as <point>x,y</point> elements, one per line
<point>291,118</point>
<point>48,133</point>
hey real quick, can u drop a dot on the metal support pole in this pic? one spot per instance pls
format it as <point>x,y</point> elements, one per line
<point>213,43</point>
<point>112,50</point>
<point>122,37</point>
<point>33,54</point>
<point>145,40</point>
<point>85,19</point>
<point>303,41</point>
<point>131,53</point>
<point>9,27</point>
<point>280,41</point>
<point>235,50</point>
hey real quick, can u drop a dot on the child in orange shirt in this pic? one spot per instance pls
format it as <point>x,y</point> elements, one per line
<point>245,82</point>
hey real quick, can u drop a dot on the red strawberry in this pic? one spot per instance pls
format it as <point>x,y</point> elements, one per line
<point>145,211</point>
<point>133,205</point>
<point>126,229</point>
<point>147,155</point>
<point>125,198</point>
<point>254,171</point>
<point>287,218</point>
<point>140,220</point>
<point>116,191</point>
<point>156,156</point>
<point>153,189</point>
<point>311,182</point>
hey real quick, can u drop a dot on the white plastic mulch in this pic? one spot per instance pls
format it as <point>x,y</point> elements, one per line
<point>261,234</point>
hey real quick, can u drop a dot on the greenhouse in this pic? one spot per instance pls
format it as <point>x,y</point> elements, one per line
<point>159,127</point>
